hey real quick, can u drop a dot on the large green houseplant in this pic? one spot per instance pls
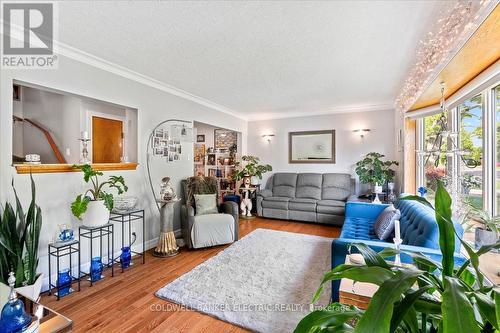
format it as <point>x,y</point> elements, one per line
<point>428,296</point>
<point>19,238</point>
<point>250,167</point>
<point>373,170</point>
<point>95,204</point>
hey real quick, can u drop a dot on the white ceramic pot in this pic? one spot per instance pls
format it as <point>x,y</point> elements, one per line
<point>377,188</point>
<point>254,180</point>
<point>32,291</point>
<point>96,215</point>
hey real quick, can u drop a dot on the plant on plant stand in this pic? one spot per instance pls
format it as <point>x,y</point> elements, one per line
<point>250,167</point>
<point>94,206</point>
<point>19,238</point>
<point>488,231</point>
<point>428,296</point>
<point>373,170</point>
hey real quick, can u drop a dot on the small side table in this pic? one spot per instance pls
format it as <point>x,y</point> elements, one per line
<point>59,250</point>
<point>99,232</point>
<point>167,245</point>
<point>127,217</point>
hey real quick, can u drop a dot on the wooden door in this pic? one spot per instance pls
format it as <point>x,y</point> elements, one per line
<point>107,137</point>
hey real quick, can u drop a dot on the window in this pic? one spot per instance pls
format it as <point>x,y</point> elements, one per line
<point>434,167</point>
<point>497,158</point>
<point>471,141</point>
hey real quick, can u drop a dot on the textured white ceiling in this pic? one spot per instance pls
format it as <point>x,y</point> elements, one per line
<point>260,59</point>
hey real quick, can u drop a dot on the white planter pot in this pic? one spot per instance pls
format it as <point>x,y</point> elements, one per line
<point>32,291</point>
<point>377,188</point>
<point>96,215</point>
<point>254,180</point>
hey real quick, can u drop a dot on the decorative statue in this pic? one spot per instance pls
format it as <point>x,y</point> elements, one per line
<point>167,192</point>
<point>246,202</point>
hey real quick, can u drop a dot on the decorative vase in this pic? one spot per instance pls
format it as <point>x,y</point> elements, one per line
<point>64,282</point>
<point>14,317</point>
<point>97,214</point>
<point>254,180</point>
<point>125,257</point>
<point>65,234</point>
<point>167,191</point>
<point>485,237</point>
<point>377,189</point>
<point>96,269</point>
<point>391,197</point>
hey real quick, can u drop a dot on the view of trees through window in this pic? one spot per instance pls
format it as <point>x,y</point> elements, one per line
<point>497,171</point>
<point>471,141</point>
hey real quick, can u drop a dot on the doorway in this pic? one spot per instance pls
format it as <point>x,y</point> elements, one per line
<point>107,140</point>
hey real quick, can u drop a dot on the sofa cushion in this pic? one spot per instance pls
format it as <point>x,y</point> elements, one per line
<point>336,186</point>
<point>335,203</point>
<point>358,228</point>
<point>309,185</point>
<point>384,224</point>
<point>332,210</point>
<point>302,204</point>
<point>284,184</point>
<point>276,203</point>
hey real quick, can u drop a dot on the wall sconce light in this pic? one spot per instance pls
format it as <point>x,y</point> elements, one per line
<point>268,137</point>
<point>361,132</point>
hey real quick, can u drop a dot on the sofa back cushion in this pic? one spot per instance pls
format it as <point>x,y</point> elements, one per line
<point>336,186</point>
<point>309,185</point>
<point>419,226</point>
<point>284,184</point>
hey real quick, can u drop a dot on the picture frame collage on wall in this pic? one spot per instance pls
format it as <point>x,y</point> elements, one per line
<point>167,144</point>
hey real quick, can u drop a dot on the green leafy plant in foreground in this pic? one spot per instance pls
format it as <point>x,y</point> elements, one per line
<point>97,191</point>
<point>19,238</point>
<point>428,296</point>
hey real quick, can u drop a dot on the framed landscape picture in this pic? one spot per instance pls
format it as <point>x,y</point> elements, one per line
<point>311,147</point>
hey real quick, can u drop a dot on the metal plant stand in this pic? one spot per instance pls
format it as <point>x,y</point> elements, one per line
<point>125,218</point>
<point>59,250</point>
<point>99,232</point>
<point>167,245</point>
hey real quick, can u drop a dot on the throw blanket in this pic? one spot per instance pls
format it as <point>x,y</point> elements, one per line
<point>201,185</point>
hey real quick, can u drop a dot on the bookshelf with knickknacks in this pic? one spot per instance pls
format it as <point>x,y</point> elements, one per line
<point>217,158</point>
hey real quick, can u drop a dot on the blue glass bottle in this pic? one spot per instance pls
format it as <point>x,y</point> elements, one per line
<point>95,269</point>
<point>125,257</point>
<point>64,282</point>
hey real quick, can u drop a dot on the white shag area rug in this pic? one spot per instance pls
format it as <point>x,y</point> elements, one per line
<point>263,282</point>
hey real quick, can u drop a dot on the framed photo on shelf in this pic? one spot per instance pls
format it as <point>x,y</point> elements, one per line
<point>200,138</point>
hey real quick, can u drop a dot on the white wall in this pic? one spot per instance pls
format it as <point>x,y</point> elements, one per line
<point>56,191</point>
<point>349,147</point>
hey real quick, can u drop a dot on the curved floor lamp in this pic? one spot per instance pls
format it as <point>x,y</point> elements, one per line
<point>167,245</point>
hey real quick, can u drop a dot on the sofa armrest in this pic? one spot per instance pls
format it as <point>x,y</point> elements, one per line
<point>187,222</point>
<point>265,193</point>
<point>231,208</point>
<point>340,249</point>
<point>366,210</point>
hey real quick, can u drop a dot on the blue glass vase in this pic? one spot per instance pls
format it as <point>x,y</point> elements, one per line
<point>125,257</point>
<point>64,282</point>
<point>95,269</point>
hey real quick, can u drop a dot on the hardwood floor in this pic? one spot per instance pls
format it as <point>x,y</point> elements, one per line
<point>126,302</point>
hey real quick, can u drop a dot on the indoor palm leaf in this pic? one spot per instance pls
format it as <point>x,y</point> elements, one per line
<point>427,296</point>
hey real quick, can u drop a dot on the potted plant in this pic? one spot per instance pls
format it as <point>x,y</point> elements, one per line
<point>488,232</point>
<point>250,167</point>
<point>427,296</point>
<point>373,170</point>
<point>19,238</point>
<point>94,206</point>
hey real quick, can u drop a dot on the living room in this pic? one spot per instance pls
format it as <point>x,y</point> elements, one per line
<point>250,166</point>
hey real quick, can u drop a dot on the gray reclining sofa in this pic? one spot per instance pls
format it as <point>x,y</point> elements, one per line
<point>311,197</point>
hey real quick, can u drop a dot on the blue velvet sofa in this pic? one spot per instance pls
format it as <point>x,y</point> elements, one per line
<point>419,231</point>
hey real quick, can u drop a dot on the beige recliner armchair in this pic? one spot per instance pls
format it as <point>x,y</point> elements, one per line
<point>207,230</point>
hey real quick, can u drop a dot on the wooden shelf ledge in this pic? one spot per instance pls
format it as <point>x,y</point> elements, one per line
<point>56,168</point>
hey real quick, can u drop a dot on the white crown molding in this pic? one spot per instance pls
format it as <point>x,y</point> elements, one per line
<point>333,110</point>
<point>92,60</point>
